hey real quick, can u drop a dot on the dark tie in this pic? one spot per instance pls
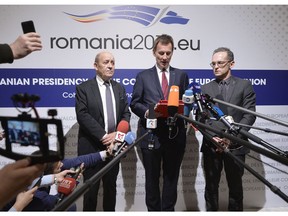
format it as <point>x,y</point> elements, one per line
<point>164,85</point>
<point>109,107</point>
<point>223,92</point>
<point>223,89</point>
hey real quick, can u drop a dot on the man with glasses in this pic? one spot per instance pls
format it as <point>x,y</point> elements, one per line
<point>239,92</point>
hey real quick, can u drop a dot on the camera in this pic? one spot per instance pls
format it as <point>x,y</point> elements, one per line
<point>24,135</point>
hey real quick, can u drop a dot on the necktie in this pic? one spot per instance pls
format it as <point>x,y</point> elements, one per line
<point>164,85</point>
<point>223,92</point>
<point>109,107</point>
<point>223,88</point>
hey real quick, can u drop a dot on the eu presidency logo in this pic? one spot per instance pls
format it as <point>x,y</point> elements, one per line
<point>143,15</point>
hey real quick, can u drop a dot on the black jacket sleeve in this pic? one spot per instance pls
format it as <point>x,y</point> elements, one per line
<point>6,54</point>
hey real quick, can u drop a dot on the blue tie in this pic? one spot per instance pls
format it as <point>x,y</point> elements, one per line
<point>109,107</point>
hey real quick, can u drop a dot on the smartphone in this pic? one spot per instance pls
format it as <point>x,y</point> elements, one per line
<point>28,26</point>
<point>38,183</point>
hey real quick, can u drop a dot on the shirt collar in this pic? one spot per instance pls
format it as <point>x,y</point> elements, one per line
<point>227,81</point>
<point>101,81</point>
<point>159,70</point>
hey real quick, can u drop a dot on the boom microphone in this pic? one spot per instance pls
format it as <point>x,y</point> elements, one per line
<point>219,115</point>
<point>129,139</point>
<point>228,122</point>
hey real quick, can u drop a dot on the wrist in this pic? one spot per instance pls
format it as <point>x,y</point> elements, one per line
<point>108,154</point>
<point>55,180</point>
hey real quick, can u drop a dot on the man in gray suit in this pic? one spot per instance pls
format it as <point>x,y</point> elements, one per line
<point>239,92</point>
<point>95,133</point>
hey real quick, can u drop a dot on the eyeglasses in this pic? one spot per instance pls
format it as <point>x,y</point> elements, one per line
<point>220,64</point>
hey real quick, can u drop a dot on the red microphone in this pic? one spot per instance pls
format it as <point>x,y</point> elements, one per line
<point>122,128</point>
<point>69,183</point>
<point>66,187</point>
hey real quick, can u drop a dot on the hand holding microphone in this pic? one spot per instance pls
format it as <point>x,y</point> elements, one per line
<point>122,129</point>
<point>129,139</point>
<point>69,183</point>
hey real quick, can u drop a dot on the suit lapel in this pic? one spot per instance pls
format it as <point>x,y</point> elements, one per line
<point>96,93</point>
<point>172,75</point>
<point>116,96</point>
<point>155,81</point>
<point>231,89</point>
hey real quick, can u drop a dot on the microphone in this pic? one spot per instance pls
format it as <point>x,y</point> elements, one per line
<point>172,106</point>
<point>226,120</point>
<point>129,139</point>
<point>173,101</point>
<point>188,100</point>
<point>197,93</point>
<point>151,123</point>
<point>69,183</point>
<point>229,122</point>
<point>122,129</point>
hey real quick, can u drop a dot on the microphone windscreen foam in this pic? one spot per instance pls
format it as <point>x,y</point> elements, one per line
<point>66,186</point>
<point>173,100</point>
<point>130,137</point>
<point>123,126</point>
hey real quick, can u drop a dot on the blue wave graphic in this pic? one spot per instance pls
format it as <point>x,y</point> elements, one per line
<point>144,15</point>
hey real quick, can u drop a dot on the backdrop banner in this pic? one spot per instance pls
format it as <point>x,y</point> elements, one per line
<point>72,35</point>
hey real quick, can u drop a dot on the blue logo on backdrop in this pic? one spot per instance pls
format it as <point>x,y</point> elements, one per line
<point>144,15</point>
<point>56,87</point>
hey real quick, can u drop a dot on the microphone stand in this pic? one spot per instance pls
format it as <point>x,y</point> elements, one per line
<point>283,123</point>
<point>263,151</point>
<point>246,133</point>
<point>68,201</point>
<point>267,145</point>
<point>201,126</point>
<point>262,129</point>
<point>272,187</point>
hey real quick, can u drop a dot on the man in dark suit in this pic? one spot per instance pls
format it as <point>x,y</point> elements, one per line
<point>168,150</point>
<point>239,92</point>
<point>93,118</point>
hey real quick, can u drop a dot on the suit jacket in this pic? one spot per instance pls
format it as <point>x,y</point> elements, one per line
<point>90,116</point>
<point>147,90</point>
<point>240,93</point>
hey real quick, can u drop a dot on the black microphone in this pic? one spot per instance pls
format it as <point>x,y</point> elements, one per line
<point>197,93</point>
<point>129,139</point>
<point>151,123</point>
<point>229,122</point>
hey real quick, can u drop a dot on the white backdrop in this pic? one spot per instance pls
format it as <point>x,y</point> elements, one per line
<point>256,34</point>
